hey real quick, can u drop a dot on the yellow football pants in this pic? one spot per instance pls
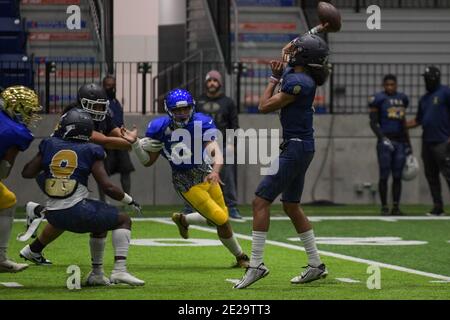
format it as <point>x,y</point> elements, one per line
<point>208,200</point>
<point>7,198</point>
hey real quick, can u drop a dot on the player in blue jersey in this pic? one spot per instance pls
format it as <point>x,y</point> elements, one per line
<point>18,108</point>
<point>62,168</point>
<point>307,68</point>
<point>388,122</point>
<point>182,137</point>
<point>433,115</point>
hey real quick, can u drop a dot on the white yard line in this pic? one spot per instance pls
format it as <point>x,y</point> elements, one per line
<point>11,284</point>
<point>348,280</point>
<point>324,253</point>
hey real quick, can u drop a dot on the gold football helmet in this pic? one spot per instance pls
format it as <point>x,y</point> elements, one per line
<point>20,103</point>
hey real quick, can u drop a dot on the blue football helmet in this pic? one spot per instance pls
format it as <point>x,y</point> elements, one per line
<point>179,98</point>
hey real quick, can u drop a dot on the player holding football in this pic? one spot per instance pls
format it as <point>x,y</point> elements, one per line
<point>307,68</point>
<point>388,122</point>
<point>18,108</point>
<point>62,168</point>
<point>196,183</point>
<point>93,99</point>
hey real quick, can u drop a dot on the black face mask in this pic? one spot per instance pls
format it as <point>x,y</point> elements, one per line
<point>432,83</point>
<point>111,93</point>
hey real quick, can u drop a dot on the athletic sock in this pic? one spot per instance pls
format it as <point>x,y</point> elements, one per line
<point>232,245</point>
<point>97,246</point>
<point>36,246</point>
<point>258,243</point>
<point>121,243</point>
<point>396,190</point>
<point>309,243</point>
<point>6,221</point>
<point>382,188</point>
<point>195,218</point>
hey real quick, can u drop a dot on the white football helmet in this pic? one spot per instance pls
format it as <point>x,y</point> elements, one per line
<point>411,168</point>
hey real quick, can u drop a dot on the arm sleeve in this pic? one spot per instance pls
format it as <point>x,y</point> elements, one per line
<point>374,124</point>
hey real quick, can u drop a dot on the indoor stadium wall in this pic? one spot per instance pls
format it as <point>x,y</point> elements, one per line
<point>348,175</point>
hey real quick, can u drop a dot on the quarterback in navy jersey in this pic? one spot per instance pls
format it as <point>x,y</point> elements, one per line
<point>388,122</point>
<point>182,137</point>
<point>433,115</point>
<point>18,108</point>
<point>307,68</point>
<point>62,168</point>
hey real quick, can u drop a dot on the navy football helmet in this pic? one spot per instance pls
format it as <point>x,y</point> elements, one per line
<point>93,99</point>
<point>179,98</point>
<point>76,124</point>
<point>308,50</point>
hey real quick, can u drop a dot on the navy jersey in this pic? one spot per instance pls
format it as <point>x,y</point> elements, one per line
<point>297,117</point>
<point>181,153</point>
<point>67,160</point>
<point>391,113</point>
<point>13,134</point>
<point>434,115</point>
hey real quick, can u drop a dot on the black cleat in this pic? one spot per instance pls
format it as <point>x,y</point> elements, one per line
<point>396,212</point>
<point>384,211</point>
<point>436,212</point>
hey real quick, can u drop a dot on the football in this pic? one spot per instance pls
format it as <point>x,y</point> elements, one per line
<point>329,14</point>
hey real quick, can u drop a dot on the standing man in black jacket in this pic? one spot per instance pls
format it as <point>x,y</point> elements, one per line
<point>224,112</point>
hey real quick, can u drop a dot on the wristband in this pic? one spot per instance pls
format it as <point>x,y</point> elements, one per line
<point>127,199</point>
<point>274,80</point>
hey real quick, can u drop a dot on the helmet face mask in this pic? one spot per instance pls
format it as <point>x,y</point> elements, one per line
<point>21,104</point>
<point>97,108</point>
<point>182,100</point>
<point>93,99</point>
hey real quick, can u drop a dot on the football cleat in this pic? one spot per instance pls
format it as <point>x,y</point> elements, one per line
<point>234,214</point>
<point>436,212</point>
<point>184,230</point>
<point>242,261</point>
<point>384,211</point>
<point>311,274</point>
<point>9,266</point>
<point>252,275</point>
<point>94,280</point>
<point>396,212</point>
<point>126,278</point>
<point>36,258</point>
<point>30,209</point>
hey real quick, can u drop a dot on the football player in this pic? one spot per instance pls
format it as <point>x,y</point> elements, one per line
<point>18,108</point>
<point>307,68</point>
<point>197,183</point>
<point>93,99</point>
<point>388,122</point>
<point>62,168</point>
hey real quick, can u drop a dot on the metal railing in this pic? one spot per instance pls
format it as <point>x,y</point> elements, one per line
<point>141,86</point>
<point>359,5</point>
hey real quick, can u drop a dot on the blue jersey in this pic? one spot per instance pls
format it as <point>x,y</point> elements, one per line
<point>67,160</point>
<point>297,117</point>
<point>391,113</point>
<point>13,134</point>
<point>434,115</point>
<point>183,154</point>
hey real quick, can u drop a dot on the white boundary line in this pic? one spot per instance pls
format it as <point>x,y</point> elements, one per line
<point>324,253</point>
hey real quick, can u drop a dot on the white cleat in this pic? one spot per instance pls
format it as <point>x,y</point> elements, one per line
<point>125,277</point>
<point>9,266</point>
<point>36,258</point>
<point>252,275</point>
<point>94,280</point>
<point>311,274</point>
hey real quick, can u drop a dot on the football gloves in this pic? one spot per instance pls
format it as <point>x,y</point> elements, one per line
<point>151,145</point>
<point>136,207</point>
<point>388,143</point>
